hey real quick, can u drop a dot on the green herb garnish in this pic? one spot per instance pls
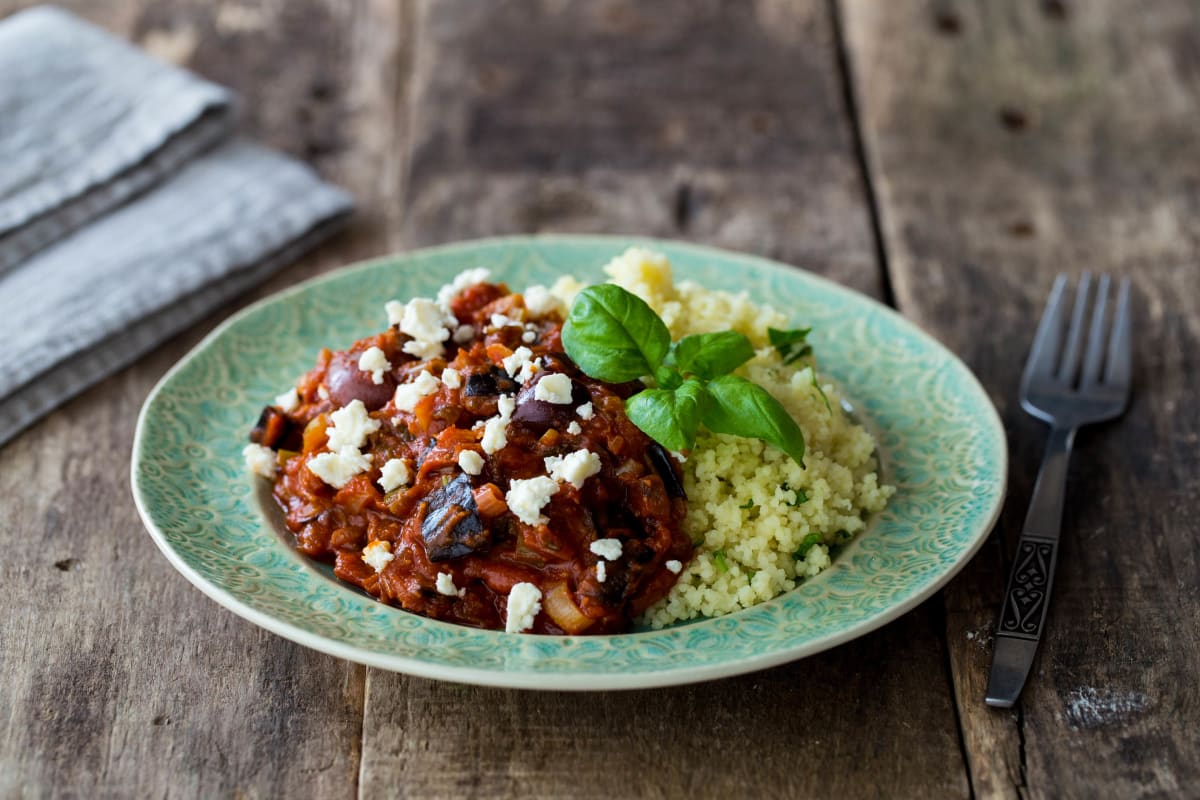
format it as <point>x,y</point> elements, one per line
<point>748,504</point>
<point>791,345</point>
<point>615,336</point>
<point>801,496</point>
<point>805,545</point>
<point>719,560</point>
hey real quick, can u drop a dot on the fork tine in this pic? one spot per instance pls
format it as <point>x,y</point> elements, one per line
<point>1043,355</point>
<point>1093,359</point>
<point>1069,367</point>
<point>1118,371</point>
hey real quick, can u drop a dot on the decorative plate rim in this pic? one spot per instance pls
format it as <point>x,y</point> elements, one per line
<point>571,679</point>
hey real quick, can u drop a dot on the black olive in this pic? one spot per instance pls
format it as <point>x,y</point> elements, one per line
<point>540,414</point>
<point>348,383</point>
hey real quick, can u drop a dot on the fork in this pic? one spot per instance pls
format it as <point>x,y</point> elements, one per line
<point>1068,387</point>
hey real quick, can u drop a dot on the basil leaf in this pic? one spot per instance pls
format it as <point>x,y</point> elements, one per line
<point>742,408</point>
<point>711,354</point>
<point>669,417</point>
<point>613,335</point>
<point>791,345</point>
<point>668,377</point>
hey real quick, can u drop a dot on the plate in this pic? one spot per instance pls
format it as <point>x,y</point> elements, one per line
<point>940,441</point>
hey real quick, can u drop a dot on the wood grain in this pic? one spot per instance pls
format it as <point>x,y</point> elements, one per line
<point>1009,142</point>
<point>117,678</point>
<point>715,121</point>
<point>720,122</point>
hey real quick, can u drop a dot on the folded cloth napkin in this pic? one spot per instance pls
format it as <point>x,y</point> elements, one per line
<point>86,122</point>
<point>209,227</point>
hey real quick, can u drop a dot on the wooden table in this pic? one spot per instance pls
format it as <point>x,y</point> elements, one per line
<point>946,157</point>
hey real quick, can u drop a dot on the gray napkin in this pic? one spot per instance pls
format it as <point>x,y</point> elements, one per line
<point>86,122</point>
<point>91,303</point>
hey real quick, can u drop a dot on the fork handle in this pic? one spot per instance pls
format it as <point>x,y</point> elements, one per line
<point>1032,576</point>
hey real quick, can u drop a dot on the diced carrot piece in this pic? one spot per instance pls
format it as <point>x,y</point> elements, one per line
<point>490,501</point>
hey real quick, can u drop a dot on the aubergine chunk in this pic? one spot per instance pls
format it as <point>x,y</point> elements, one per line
<point>490,383</point>
<point>273,429</point>
<point>451,527</point>
<point>664,464</point>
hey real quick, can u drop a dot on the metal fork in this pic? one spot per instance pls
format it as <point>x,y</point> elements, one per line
<point>1068,390</point>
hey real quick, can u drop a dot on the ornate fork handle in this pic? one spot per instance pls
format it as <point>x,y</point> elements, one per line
<point>1028,595</point>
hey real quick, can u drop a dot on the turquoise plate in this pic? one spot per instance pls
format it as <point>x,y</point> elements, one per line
<point>940,440</point>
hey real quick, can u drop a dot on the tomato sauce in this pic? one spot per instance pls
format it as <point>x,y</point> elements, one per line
<point>445,521</point>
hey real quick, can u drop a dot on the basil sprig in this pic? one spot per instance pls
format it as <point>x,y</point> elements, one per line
<point>615,336</point>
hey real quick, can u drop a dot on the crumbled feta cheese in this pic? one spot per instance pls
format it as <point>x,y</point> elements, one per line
<point>463,334</point>
<point>525,498</point>
<point>471,462</point>
<point>425,321</point>
<point>674,566</point>
<point>445,585</point>
<point>260,460</point>
<point>377,554</point>
<point>528,337</point>
<point>461,281</point>
<point>452,377</point>
<point>554,388</point>
<point>423,350</point>
<point>678,456</point>
<point>524,603</point>
<point>601,571</point>
<point>394,474</point>
<point>322,392</point>
<point>506,405</point>
<point>351,425</point>
<point>338,468</point>
<point>574,468</point>
<point>409,394</point>
<point>540,302</point>
<point>504,321</point>
<point>375,362</point>
<point>495,435</point>
<point>585,411</point>
<point>609,549</point>
<point>527,372</point>
<point>574,428</point>
<point>517,361</point>
<point>495,430</point>
<point>288,400</point>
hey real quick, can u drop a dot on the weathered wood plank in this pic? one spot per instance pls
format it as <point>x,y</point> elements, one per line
<point>840,724</point>
<point>116,677</point>
<point>716,122</point>
<point>1009,142</point>
<point>719,122</point>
